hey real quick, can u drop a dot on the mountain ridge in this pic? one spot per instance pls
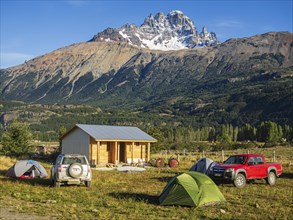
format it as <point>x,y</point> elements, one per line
<point>199,81</point>
<point>174,31</point>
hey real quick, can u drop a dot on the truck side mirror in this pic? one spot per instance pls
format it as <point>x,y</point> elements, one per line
<point>250,163</point>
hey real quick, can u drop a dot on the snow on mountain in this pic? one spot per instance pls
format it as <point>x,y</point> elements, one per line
<point>173,31</point>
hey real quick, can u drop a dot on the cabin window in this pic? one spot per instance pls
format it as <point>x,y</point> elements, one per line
<point>137,143</point>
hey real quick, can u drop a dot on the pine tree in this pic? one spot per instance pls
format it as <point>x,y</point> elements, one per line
<point>212,135</point>
<point>17,139</point>
<point>235,134</point>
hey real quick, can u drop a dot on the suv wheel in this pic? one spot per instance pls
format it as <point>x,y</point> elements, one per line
<point>88,183</point>
<point>56,184</point>
<point>239,181</point>
<point>75,170</point>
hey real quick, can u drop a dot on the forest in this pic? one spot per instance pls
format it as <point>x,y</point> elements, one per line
<point>173,131</point>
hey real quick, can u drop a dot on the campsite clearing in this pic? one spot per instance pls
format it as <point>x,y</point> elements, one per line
<point>134,195</point>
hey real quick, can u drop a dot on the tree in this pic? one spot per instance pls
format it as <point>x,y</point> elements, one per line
<point>205,133</point>
<point>61,131</point>
<point>270,132</point>
<point>225,138</point>
<point>157,134</point>
<point>235,134</point>
<point>288,133</point>
<point>212,135</point>
<point>17,139</point>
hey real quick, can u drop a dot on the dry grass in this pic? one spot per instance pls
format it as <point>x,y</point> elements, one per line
<point>6,162</point>
<point>119,195</point>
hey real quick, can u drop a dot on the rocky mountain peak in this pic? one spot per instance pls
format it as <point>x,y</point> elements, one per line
<point>173,31</point>
<point>160,17</point>
<point>204,30</point>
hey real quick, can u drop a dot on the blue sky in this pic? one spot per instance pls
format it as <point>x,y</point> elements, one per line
<point>33,28</point>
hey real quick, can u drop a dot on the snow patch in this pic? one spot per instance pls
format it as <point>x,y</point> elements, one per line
<point>175,12</point>
<point>123,35</point>
<point>172,44</point>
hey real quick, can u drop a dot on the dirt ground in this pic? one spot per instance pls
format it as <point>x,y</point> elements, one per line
<point>11,213</point>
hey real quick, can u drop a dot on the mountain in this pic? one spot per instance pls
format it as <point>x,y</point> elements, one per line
<point>240,80</point>
<point>172,32</point>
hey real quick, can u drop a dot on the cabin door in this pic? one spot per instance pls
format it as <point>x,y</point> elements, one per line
<point>122,152</point>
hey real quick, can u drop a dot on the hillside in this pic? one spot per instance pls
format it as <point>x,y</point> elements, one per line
<point>238,81</point>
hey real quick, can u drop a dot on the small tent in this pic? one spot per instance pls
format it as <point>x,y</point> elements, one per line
<point>191,189</point>
<point>204,165</point>
<point>27,169</point>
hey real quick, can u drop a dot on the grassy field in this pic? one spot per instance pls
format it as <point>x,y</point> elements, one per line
<point>119,195</point>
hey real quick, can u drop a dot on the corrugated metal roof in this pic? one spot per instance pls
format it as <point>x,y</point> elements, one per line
<point>107,132</point>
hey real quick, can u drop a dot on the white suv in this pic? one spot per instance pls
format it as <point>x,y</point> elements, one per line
<point>71,169</point>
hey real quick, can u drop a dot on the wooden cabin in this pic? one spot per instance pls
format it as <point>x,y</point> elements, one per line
<point>104,144</point>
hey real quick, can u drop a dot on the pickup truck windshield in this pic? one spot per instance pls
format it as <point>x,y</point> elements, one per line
<point>236,160</point>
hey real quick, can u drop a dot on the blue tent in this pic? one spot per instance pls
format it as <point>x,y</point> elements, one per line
<point>204,165</point>
<point>27,169</point>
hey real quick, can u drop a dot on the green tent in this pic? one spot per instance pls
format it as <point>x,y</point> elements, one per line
<point>191,189</point>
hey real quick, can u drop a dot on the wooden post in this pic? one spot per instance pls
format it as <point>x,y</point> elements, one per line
<point>203,153</point>
<point>274,156</point>
<point>141,151</point>
<point>117,146</point>
<point>178,159</point>
<point>149,152</point>
<point>132,146</point>
<point>222,155</point>
<point>125,153</point>
<point>114,156</point>
<point>99,152</point>
<point>247,151</point>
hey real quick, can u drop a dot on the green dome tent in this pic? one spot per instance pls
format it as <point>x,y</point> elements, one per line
<point>191,189</point>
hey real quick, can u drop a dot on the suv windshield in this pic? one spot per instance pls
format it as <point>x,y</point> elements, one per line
<point>73,159</point>
<point>236,160</point>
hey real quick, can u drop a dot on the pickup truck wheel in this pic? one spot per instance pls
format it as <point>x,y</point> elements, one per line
<point>271,178</point>
<point>88,183</point>
<point>239,181</point>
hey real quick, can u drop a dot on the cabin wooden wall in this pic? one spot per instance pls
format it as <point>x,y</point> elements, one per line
<point>139,152</point>
<point>107,154</point>
<point>103,152</point>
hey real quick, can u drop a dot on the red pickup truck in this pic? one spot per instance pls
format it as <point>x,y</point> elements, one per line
<point>243,167</point>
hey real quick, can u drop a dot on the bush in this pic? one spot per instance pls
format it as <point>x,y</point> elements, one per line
<point>245,145</point>
<point>270,144</point>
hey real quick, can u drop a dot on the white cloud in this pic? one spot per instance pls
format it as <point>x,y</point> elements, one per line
<point>12,59</point>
